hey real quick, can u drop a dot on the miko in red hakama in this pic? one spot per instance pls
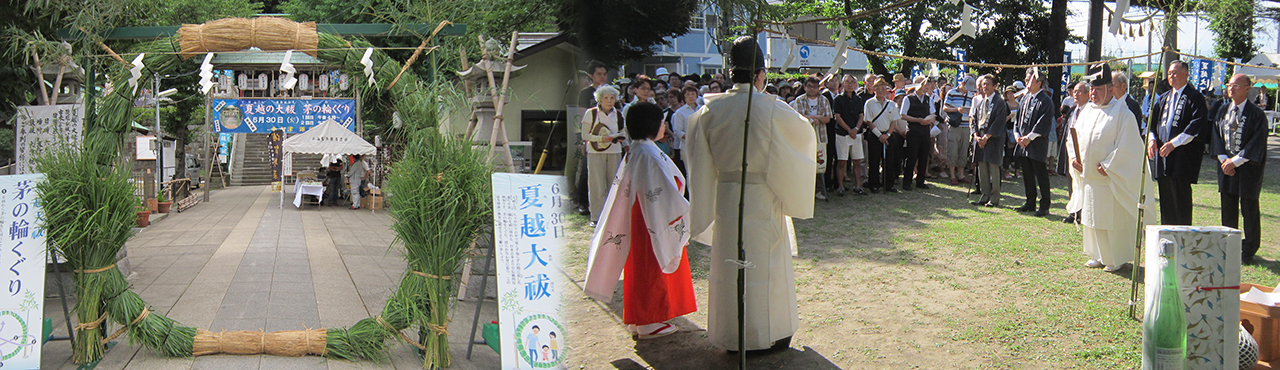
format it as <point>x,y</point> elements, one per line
<point>643,231</point>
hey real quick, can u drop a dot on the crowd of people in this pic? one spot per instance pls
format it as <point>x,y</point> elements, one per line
<point>879,134</point>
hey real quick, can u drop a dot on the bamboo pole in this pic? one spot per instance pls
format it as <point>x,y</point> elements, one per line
<point>499,121</point>
<point>57,84</point>
<point>493,94</point>
<point>44,93</point>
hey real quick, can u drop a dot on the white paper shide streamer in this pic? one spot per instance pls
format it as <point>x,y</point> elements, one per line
<point>1122,6</point>
<point>206,74</point>
<point>367,61</point>
<point>966,24</point>
<point>136,72</point>
<point>289,80</point>
<point>791,48</point>
<point>842,51</point>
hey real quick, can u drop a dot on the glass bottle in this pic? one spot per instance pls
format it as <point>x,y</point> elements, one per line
<point>1164,326</point>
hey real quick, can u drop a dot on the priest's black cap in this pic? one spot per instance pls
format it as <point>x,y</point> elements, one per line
<point>746,55</point>
<point>1099,74</point>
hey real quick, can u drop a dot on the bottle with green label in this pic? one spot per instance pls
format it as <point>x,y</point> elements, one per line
<point>1164,326</point>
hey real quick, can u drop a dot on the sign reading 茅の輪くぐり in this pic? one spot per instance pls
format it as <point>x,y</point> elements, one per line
<point>22,263</point>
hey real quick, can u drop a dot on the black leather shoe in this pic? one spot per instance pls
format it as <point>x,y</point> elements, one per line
<point>977,203</point>
<point>922,186</point>
<point>1071,219</point>
<point>906,187</point>
<point>890,190</point>
<point>1026,208</point>
<point>1042,213</point>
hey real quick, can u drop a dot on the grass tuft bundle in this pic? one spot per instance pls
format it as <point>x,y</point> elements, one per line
<point>89,216</point>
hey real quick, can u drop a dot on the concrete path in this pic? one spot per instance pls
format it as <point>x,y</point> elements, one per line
<point>240,262</point>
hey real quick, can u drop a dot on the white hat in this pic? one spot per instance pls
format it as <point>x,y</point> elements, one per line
<point>662,71</point>
<point>1019,85</point>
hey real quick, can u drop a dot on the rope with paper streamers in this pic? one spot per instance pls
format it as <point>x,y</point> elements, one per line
<point>1237,64</point>
<point>967,64</point>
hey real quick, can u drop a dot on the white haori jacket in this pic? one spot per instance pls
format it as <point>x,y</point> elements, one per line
<point>648,175</point>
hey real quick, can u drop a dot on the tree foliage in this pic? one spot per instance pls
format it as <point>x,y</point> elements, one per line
<point>614,31</point>
<point>1009,31</point>
<point>1232,21</point>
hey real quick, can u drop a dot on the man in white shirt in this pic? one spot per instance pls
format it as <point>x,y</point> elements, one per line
<point>879,114</point>
<point>817,109</point>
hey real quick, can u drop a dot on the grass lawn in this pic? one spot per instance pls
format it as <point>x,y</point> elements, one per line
<point>923,279</point>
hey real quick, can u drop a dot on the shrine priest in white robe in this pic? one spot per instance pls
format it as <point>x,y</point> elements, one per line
<point>1108,176</point>
<point>778,183</point>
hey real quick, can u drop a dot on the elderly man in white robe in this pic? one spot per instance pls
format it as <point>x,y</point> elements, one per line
<point>779,182</point>
<point>1109,176</point>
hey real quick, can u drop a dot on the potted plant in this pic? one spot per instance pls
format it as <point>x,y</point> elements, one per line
<point>144,214</point>
<point>162,204</point>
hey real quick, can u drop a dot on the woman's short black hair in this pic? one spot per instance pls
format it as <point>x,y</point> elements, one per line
<point>643,121</point>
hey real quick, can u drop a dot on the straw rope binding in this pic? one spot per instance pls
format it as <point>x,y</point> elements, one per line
<point>92,324</point>
<point>399,334</point>
<point>143,315</point>
<point>426,275</point>
<point>94,271</point>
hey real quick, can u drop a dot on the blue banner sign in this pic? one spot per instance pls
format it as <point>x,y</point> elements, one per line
<point>291,115</point>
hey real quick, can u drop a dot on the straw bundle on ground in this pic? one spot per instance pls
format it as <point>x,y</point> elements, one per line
<point>236,34</point>
<point>292,343</point>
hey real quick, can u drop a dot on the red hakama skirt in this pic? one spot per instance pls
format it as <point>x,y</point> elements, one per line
<point>648,295</point>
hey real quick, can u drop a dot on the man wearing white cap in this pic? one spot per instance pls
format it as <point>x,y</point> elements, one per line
<point>661,73</point>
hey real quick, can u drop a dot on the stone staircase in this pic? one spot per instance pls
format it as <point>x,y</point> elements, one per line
<point>251,166</point>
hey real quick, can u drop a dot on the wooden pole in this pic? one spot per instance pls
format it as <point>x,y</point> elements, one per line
<point>493,94</point>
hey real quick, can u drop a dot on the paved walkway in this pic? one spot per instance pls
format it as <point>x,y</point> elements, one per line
<point>240,262</point>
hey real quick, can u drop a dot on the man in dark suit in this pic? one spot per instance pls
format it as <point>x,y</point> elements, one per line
<point>989,123</point>
<point>1174,146</point>
<point>1120,88</point>
<point>1031,129</point>
<point>1240,145</point>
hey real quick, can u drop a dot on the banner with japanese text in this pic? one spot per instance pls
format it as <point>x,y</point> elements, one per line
<point>275,149</point>
<point>40,128</point>
<point>248,115</point>
<point>528,213</point>
<point>22,264</point>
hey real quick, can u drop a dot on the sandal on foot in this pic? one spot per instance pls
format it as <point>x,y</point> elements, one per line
<point>643,332</point>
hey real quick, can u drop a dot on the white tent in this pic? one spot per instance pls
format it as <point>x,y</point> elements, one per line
<point>330,139</point>
<point>1265,74</point>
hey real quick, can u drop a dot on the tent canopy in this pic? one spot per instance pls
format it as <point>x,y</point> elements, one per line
<point>330,139</point>
<point>1262,74</point>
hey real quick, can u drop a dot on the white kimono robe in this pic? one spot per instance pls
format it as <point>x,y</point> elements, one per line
<point>779,183</point>
<point>1108,204</point>
<point>649,174</point>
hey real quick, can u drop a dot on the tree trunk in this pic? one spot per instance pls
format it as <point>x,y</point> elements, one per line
<point>1170,38</point>
<point>1057,46</point>
<point>876,64</point>
<point>912,44</point>
<point>1094,40</point>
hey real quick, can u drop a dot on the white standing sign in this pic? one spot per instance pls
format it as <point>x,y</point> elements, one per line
<point>22,263</point>
<point>528,212</point>
<point>40,128</point>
